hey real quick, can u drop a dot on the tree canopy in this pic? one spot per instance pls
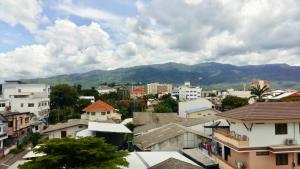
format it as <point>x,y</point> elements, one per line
<point>63,95</point>
<point>83,153</point>
<point>232,102</point>
<point>166,105</point>
<point>259,92</point>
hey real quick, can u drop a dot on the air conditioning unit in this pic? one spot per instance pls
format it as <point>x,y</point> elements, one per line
<point>290,141</point>
<point>240,164</point>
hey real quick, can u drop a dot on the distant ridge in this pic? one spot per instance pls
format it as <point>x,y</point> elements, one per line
<point>205,74</point>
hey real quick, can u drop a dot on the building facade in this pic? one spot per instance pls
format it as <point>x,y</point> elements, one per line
<point>33,98</point>
<point>157,88</point>
<point>187,92</point>
<point>261,136</point>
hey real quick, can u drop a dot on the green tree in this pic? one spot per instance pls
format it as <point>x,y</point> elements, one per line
<point>232,102</point>
<point>259,92</point>
<point>63,95</point>
<point>162,108</point>
<point>83,153</point>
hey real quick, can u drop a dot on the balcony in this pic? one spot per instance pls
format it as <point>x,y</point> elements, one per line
<point>3,136</point>
<point>231,138</point>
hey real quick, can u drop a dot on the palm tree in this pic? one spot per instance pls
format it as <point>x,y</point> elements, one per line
<point>259,92</point>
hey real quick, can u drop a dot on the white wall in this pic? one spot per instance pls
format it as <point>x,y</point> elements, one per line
<point>264,135</point>
<point>71,132</point>
<point>193,104</point>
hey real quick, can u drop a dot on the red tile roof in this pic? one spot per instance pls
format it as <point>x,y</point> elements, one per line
<point>265,111</point>
<point>98,106</point>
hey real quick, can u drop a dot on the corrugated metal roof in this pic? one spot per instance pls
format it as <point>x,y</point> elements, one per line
<point>108,127</point>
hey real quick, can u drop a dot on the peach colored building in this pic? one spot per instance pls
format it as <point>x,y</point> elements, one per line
<point>263,135</point>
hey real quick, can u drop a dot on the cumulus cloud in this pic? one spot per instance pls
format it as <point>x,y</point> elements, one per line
<point>183,31</point>
<point>27,13</point>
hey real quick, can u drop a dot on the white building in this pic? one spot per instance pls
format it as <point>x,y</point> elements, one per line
<point>33,98</point>
<point>106,90</point>
<point>188,106</point>
<point>157,88</point>
<point>90,98</point>
<point>187,92</point>
<point>261,135</point>
<point>4,103</point>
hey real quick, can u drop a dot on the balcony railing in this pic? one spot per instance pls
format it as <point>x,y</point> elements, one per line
<point>232,138</point>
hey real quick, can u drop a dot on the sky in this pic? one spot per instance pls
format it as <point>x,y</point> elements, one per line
<point>41,38</point>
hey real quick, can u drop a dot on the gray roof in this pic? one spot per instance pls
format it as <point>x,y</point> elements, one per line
<point>161,134</point>
<point>173,163</point>
<point>146,120</point>
<point>200,156</point>
<point>70,123</point>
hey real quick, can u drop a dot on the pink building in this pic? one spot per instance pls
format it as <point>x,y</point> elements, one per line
<point>263,135</point>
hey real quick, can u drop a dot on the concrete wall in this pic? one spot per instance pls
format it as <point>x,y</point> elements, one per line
<point>264,135</point>
<point>204,113</point>
<point>178,143</point>
<point>99,117</point>
<point>71,132</point>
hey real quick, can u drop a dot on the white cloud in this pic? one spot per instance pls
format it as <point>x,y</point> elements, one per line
<point>87,12</point>
<point>27,13</point>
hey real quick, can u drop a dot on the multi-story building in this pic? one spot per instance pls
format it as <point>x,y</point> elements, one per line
<point>187,92</point>
<point>3,134</point>
<point>157,88</point>
<point>262,135</point>
<point>4,103</point>
<point>33,98</point>
<point>18,125</point>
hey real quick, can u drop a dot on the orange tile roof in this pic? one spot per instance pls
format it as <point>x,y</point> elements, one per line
<point>98,106</point>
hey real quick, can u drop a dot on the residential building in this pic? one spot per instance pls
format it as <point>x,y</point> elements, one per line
<point>170,137</point>
<point>191,106</point>
<point>33,98</point>
<point>3,133</point>
<point>89,98</point>
<point>159,160</point>
<point>237,93</point>
<point>137,92</point>
<point>115,134</point>
<point>157,88</point>
<point>4,104</point>
<point>260,82</point>
<point>187,92</point>
<point>263,135</point>
<point>106,89</point>
<point>18,125</point>
<point>67,129</point>
<point>100,111</point>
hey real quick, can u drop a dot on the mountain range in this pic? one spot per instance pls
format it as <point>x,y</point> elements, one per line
<point>208,75</point>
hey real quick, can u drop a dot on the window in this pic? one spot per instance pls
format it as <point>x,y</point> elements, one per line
<point>93,113</point>
<point>26,119</point>
<point>22,104</point>
<point>19,90</point>
<point>280,128</point>
<point>88,113</point>
<point>30,104</point>
<point>21,120</point>
<point>36,128</point>
<point>10,124</point>
<point>262,153</point>
<point>108,112</point>
<point>282,159</point>
<point>2,104</point>
<point>103,113</point>
<point>63,134</point>
<point>298,158</point>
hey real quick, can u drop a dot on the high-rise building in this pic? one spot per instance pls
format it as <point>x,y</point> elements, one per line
<point>157,88</point>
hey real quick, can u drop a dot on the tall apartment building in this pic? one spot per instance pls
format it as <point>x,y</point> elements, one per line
<point>157,88</point>
<point>187,92</point>
<point>263,135</point>
<point>33,98</point>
